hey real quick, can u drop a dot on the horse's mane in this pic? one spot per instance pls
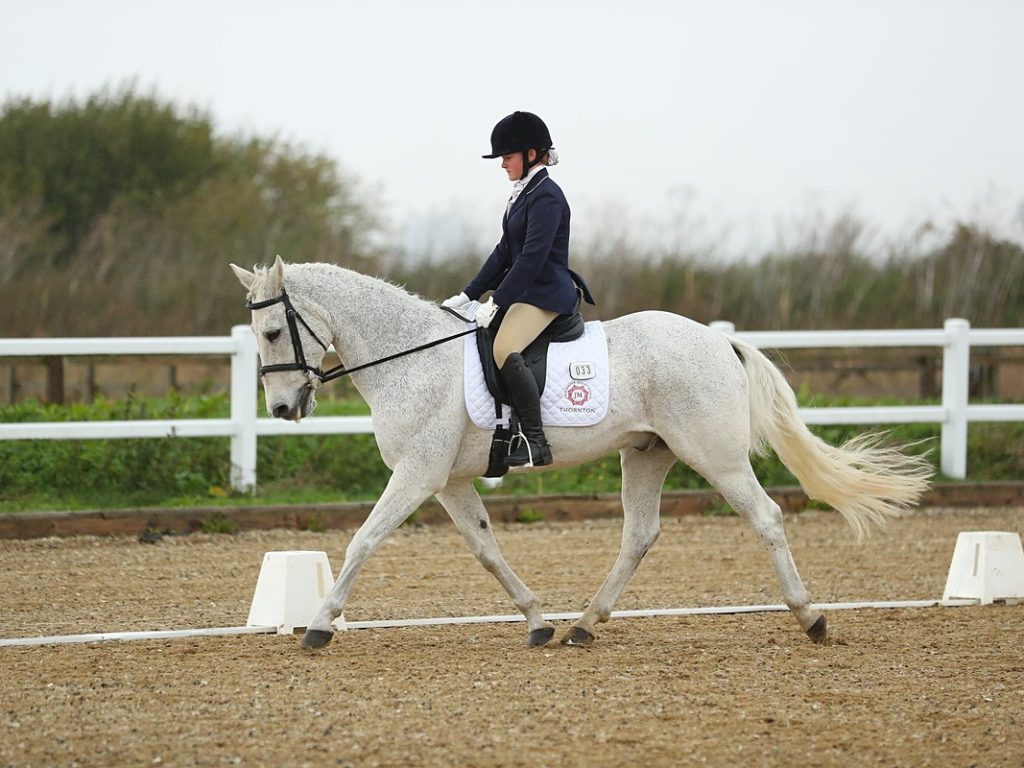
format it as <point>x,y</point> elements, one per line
<point>308,271</point>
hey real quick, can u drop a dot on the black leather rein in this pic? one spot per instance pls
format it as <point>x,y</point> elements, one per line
<point>294,318</point>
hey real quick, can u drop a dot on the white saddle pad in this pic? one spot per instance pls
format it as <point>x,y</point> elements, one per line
<point>575,391</point>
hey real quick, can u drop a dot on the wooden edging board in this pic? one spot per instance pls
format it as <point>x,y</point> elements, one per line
<point>502,509</point>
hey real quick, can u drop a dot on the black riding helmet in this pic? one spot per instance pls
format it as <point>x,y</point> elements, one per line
<point>520,132</point>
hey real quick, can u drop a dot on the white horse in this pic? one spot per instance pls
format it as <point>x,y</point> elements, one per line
<point>679,392</point>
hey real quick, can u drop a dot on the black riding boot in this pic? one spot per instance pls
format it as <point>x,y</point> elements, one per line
<point>522,391</point>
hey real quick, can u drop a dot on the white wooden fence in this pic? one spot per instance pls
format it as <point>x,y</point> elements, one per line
<point>244,427</point>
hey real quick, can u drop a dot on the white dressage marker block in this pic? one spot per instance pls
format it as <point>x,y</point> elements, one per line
<point>290,589</point>
<point>987,566</point>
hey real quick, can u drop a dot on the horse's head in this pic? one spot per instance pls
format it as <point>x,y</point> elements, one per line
<point>290,345</point>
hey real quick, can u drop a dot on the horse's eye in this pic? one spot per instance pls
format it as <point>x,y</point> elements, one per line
<point>272,335</point>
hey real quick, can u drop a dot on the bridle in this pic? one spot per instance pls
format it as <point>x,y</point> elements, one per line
<point>294,318</point>
<point>315,375</point>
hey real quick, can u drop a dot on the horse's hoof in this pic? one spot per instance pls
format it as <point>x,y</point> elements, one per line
<point>539,637</point>
<point>818,631</point>
<point>578,636</point>
<point>316,638</point>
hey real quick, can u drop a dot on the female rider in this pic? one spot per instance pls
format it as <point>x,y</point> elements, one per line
<point>528,271</point>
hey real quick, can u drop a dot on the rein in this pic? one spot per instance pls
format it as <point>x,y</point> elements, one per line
<point>294,318</point>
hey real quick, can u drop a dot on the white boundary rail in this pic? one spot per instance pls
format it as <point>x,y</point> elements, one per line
<point>168,634</point>
<point>956,339</point>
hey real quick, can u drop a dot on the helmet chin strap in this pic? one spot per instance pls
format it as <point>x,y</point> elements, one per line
<point>527,165</point>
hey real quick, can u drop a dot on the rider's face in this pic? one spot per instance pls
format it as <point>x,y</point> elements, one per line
<point>512,164</point>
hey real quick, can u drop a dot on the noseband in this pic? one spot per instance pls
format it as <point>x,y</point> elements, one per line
<point>315,375</point>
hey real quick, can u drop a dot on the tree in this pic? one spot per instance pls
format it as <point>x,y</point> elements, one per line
<point>120,214</point>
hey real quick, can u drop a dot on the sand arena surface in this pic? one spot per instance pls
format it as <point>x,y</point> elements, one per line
<point>908,687</point>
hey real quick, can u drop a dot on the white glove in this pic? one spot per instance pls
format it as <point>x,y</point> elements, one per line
<point>485,314</point>
<point>456,301</point>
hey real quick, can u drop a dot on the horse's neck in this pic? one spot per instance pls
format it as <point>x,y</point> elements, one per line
<point>371,318</point>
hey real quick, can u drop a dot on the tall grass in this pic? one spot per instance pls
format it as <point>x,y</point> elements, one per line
<point>830,282</point>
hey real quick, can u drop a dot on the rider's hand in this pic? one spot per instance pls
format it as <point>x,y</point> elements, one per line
<point>456,301</point>
<point>485,314</point>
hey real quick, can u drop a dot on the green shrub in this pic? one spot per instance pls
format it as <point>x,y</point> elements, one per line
<point>68,474</point>
<point>530,516</point>
<point>219,524</point>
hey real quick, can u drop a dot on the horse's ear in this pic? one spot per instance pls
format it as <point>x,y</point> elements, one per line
<point>276,276</point>
<point>245,277</point>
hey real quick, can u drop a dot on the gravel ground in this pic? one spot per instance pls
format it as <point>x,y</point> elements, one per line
<point>901,687</point>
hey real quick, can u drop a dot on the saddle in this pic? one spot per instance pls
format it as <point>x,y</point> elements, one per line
<point>563,328</point>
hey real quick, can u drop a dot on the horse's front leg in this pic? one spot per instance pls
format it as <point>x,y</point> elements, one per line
<point>404,493</point>
<point>467,511</point>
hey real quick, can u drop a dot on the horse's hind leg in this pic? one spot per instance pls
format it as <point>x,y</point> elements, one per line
<point>643,474</point>
<point>741,489</point>
<point>467,511</point>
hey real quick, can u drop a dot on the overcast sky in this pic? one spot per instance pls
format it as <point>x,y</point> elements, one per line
<point>692,122</point>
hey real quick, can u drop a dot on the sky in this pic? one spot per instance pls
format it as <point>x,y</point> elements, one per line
<point>722,127</point>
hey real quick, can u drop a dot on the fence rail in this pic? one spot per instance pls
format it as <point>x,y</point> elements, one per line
<point>243,426</point>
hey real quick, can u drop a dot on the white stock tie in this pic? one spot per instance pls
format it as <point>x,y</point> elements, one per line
<point>517,189</point>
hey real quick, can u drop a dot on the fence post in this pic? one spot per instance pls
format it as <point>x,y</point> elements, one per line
<point>243,409</point>
<point>956,373</point>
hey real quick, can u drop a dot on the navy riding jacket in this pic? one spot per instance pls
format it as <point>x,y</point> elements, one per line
<point>531,262</point>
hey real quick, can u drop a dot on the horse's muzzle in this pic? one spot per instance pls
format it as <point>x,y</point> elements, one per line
<point>305,406</point>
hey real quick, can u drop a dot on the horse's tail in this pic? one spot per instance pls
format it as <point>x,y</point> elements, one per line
<point>862,479</point>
